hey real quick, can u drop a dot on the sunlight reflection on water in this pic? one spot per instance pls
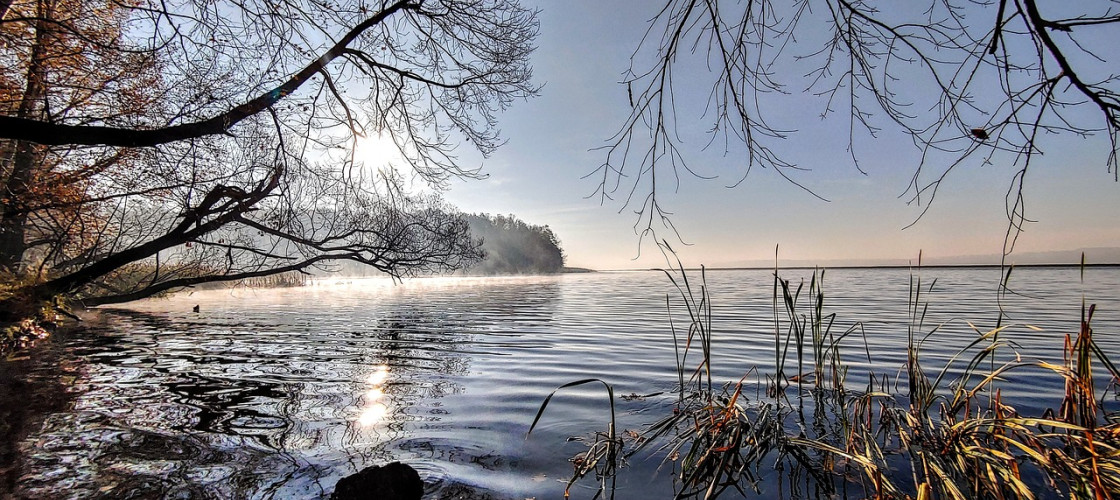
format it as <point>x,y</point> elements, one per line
<point>375,400</point>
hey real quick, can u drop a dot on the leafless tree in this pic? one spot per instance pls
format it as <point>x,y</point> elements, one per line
<point>236,156</point>
<point>969,81</point>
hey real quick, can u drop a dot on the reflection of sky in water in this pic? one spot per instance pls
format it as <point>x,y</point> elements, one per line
<point>278,394</point>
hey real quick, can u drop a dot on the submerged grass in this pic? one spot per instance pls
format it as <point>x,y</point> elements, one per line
<point>947,433</point>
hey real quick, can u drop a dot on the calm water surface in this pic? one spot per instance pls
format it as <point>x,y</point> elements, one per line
<point>280,393</point>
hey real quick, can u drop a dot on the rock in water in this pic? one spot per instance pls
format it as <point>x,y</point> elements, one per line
<point>395,481</point>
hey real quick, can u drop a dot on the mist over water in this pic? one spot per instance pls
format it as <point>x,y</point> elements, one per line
<point>280,393</point>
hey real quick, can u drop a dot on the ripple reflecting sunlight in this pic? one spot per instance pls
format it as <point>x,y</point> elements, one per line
<point>376,403</point>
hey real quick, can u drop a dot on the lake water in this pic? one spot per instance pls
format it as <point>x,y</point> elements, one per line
<point>280,393</point>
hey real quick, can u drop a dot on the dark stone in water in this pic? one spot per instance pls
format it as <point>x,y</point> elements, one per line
<point>395,481</point>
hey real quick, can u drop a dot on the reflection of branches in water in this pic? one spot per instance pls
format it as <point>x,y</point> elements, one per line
<point>230,407</point>
<point>133,429</point>
<point>33,375</point>
<point>161,464</point>
<point>255,405</point>
<point>204,422</point>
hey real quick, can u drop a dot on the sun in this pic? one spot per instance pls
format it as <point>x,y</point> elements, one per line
<point>377,150</point>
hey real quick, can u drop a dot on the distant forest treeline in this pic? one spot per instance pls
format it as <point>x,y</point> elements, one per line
<point>512,246</point>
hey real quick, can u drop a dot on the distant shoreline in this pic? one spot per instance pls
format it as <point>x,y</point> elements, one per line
<point>576,270</point>
<point>888,266</point>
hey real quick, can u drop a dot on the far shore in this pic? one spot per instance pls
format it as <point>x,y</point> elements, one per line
<point>576,270</point>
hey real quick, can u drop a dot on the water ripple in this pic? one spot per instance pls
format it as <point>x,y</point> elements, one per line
<point>278,394</point>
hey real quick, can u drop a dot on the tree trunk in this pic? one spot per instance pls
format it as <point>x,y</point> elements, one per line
<point>13,216</point>
<point>25,156</point>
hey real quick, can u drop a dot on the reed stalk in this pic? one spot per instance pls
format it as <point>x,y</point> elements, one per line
<point>604,450</point>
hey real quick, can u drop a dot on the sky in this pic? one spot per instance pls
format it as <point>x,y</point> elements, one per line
<point>582,52</point>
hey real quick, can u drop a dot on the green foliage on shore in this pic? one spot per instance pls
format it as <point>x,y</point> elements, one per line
<point>513,246</point>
